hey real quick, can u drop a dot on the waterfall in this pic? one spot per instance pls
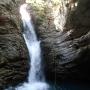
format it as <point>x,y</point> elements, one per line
<point>36,79</point>
<point>33,45</point>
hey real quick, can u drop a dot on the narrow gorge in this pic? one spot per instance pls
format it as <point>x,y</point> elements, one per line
<point>44,45</point>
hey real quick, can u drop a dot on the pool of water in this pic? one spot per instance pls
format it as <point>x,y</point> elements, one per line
<point>70,86</point>
<point>54,86</point>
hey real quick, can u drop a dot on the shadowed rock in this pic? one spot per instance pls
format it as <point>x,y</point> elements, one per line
<point>13,51</point>
<point>66,51</point>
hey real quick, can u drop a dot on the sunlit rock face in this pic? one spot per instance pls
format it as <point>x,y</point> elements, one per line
<point>65,34</point>
<point>13,51</point>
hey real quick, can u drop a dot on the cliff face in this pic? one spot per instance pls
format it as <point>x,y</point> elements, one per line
<point>65,33</point>
<point>13,51</point>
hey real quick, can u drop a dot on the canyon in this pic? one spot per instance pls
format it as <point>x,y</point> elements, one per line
<point>64,31</point>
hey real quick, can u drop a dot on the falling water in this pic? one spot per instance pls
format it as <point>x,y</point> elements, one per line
<point>33,46</point>
<point>36,78</point>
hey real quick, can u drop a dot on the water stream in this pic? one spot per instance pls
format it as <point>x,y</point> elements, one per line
<point>36,79</point>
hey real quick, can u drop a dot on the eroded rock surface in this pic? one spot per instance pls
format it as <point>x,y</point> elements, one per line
<point>65,33</point>
<point>13,51</point>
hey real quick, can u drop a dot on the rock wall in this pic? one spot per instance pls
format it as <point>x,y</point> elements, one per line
<point>65,34</point>
<point>13,51</point>
<point>64,30</point>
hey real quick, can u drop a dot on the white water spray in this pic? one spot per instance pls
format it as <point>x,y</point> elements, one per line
<point>36,78</point>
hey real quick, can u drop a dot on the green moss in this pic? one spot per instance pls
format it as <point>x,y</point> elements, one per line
<point>40,12</point>
<point>42,8</point>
